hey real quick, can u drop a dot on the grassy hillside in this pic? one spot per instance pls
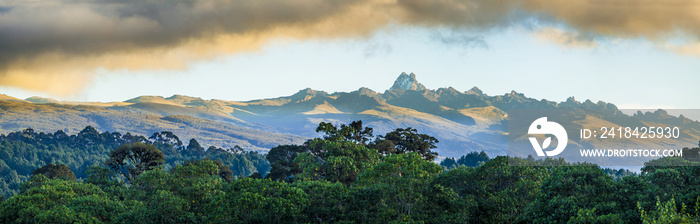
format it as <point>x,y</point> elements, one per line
<point>16,116</point>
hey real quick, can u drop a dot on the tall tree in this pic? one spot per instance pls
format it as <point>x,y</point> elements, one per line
<point>282,162</point>
<point>56,171</point>
<point>405,140</point>
<point>352,132</point>
<point>166,137</point>
<point>449,163</point>
<point>402,180</point>
<point>338,161</point>
<point>132,160</point>
<point>194,146</point>
<point>473,159</point>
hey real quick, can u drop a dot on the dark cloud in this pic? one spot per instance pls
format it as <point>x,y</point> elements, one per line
<point>461,39</point>
<point>42,42</point>
<point>102,26</point>
<point>5,9</point>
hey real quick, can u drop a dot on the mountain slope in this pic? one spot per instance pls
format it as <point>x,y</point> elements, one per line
<point>462,121</point>
<point>16,116</point>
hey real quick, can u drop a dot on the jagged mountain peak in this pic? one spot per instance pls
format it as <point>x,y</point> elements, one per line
<point>475,91</point>
<point>515,94</point>
<point>408,82</point>
<point>449,91</point>
<point>306,94</point>
<point>661,114</point>
<point>309,91</point>
<point>570,102</point>
<point>366,91</point>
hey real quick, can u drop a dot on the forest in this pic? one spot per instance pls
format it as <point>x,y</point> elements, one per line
<point>346,176</point>
<point>24,151</point>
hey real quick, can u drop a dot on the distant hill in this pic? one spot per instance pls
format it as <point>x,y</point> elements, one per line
<point>36,99</point>
<point>462,121</point>
<point>16,116</point>
<point>4,97</point>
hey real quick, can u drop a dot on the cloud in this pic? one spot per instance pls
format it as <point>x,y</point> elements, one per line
<point>564,38</point>
<point>686,49</point>
<point>461,38</point>
<point>55,46</point>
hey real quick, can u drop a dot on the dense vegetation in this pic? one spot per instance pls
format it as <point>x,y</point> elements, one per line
<point>24,151</point>
<point>350,177</point>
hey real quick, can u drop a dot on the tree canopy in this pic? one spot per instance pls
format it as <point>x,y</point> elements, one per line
<point>22,152</point>
<point>55,171</point>
<point>339,180</point>
<point>131,160</point>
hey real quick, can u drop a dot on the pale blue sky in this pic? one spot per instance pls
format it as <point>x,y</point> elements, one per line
<point>629,73</point>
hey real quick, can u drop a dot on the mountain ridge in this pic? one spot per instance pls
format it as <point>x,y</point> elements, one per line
<point>463,121</point>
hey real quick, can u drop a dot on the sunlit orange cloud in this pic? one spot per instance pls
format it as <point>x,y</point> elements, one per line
<point>564,38</point>
<point>56,46</point>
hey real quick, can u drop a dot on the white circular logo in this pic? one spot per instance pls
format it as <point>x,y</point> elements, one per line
<point>542,126</point>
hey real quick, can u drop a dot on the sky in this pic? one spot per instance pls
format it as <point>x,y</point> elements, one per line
<point>634,53</point>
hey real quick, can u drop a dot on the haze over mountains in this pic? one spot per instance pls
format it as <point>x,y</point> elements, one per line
<point>462,121</point>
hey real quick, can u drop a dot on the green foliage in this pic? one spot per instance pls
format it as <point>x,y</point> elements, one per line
<point>500,192</point>
<point>259,201</point>
<point>55,171</point>
<point>106,179</point>
<point>25,151</point>
<point>405,140</point>
<point>335,161</point>
<point>665,212</point>
<point>473,159</point>
<point>240,163</point>
<point>132,160</point>
<point>400,180</point>
<point>282,166</point>
<point>590,216</point>
<point>671,182</point>
<point>569,189</point>
<point>618,173</point>
<point>339,156</point>
<point>221,169</point>
<point>165,138</point>
<point>343,152</point>
<point>183,195</point>
<point>60,201</point>
<point>337,180</point>
<point>327,202</point>
<point>18,159</point>
<point>449,163</point>
<point>194,147</point>
<point>352,132</point>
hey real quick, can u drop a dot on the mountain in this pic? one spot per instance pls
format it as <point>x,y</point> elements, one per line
<point>36,99</point>
<point>407,82</point>
<point>463,121</point>
<point>4,97</point>
<point>73,118</point>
